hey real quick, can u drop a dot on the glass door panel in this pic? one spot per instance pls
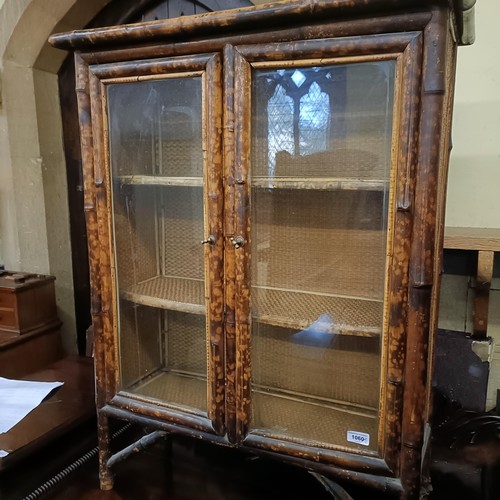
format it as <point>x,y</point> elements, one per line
<point>156,151</point>
<point>320,171</point>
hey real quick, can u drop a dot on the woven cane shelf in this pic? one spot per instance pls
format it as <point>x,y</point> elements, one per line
<point>157,180</point>
<point>281,415</point>
<point>296,309</point>
<point>285,308</point>
<point>184,390</point>
<point>177,294</point>
<point>320,183</point>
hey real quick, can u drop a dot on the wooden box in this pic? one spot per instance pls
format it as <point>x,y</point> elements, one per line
<point>27,303</point>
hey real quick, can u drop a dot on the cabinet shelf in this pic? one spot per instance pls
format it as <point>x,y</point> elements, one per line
<point>333,314</point>
<point>317,183</point>
<point>279,307</point>
<point>320,183</point>
<point>176,294</point>
<point>159,180</point>
<point>280,414</point>
<point>189,391</point>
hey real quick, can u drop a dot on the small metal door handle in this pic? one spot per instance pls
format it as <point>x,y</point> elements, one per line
<point>210,240</point>
<point>237,242</point>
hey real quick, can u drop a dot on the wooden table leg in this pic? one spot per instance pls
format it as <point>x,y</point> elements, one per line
<point>482,293</point>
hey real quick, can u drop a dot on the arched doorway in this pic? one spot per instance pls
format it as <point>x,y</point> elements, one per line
<point>116,12</point>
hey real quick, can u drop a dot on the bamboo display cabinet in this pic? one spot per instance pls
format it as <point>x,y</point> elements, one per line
<point>264,193</point>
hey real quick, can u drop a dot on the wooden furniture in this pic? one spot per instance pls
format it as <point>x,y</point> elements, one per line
<point>29,326</point>
<point>27,303</point>
<point>486,241</point>
<point>264,193</point>
<point>23,354</point>
<point>68,406</point>
<point>30,348</point>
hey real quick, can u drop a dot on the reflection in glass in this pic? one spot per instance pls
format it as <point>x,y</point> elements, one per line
<point>157,175</point>
<point>314,121</point>
<point>319,228</point>
<point>280,123</point>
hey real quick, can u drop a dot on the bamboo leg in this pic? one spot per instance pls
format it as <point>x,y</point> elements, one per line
<point>136,447</point>
<point>482,293</point>
<point>334,489</point>
<point>103,437</point>
<point>169,467</point>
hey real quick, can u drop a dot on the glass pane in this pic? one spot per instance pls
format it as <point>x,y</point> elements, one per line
<point>319,229</point>
<point>157,176</point>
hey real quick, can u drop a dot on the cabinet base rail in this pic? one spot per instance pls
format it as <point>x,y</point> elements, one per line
<point>136,447</point>
<point>388,485</point>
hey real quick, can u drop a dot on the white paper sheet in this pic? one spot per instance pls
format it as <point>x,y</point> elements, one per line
<point>3,453</point>
<point>19,397</point>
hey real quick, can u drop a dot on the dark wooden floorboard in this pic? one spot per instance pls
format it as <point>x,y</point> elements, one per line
<point>184,469</point>
<point>190,470</point>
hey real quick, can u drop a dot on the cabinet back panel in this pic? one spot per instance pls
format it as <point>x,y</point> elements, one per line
<point>181,159</point>
<point>158,347</point>
<point>182,229</point>
<point>152,239</point>
<point>135,234</point>
<point>293,419</point>
<point>185,345</point>
<point>178,390</point>
<point>287,363</point>
<point>155,127</point>
<point>139,342</point>
<point>361,156</point>
<point>322,241</point>
<point>323,121</point>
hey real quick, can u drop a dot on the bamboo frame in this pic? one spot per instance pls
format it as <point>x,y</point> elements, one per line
<point>276,54</point>
<point>423,278</point>
<point>242,270</point>
<point>136,447</point>
<point>180,67</point>
<point>229,251</point>
<point>398,252</point>
<point>422,47</point>
<point>236,19</point>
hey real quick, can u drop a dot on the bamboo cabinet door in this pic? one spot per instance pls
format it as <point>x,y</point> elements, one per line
<point>161,123</point>
<point>321,179</point>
